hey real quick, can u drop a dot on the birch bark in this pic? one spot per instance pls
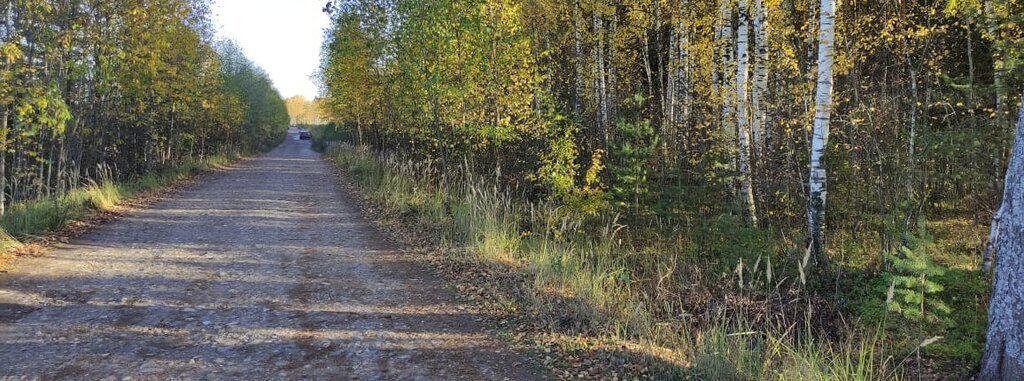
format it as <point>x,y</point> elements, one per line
<point>999,85</point>
<point>726,63</point>
<point>743,113</point>
<point>682,84</point>
<point>599,79</point>
<point>577,101</point>
<point>819,136</point>
<point>758,105</point>
<point>3,161</point>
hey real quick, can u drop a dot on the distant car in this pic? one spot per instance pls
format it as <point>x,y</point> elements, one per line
<point>305,135</point>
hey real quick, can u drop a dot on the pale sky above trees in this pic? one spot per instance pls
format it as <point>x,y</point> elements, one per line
<point>281,36</point>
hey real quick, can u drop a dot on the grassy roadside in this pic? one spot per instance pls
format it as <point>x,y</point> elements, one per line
<point>596,307</point>
<point>29,222</point>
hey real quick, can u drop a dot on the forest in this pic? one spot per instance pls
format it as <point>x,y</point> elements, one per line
<point>95,93</point>
<point>302,111</point>
<point>747,189</point>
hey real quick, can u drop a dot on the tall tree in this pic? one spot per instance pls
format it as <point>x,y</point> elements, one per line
<point>1004,345</point>
<point>758,104</point>
<point>726,68</point>
<point>743,113</point>
<point>819,138</point>
<point>92,85</point>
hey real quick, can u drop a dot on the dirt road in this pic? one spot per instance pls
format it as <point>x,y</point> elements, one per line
<point>264,271</point>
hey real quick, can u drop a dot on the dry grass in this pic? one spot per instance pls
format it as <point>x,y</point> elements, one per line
<point>669,302</point>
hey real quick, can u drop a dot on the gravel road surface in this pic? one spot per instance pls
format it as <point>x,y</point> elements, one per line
<point>263,271</point>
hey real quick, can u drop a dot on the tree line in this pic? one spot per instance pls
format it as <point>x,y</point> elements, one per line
<point>304,111</point>
<point>881,114</point>
<point>92,88</point>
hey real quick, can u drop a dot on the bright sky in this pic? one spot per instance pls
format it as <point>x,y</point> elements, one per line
<point>281,36</point>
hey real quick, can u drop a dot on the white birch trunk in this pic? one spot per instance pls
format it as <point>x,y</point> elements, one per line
<point>3,160</point>
<point>610,102</point>
<point>577,102</point>
<point>819,136</point>
<point>682,84</point>
<point>998,67</point>
<point>676,88</point>
<point>759,106</point>
<point>599,79</point>
<point>667,97</point>
<point>999,85</point>
<point>743,113</point>
<point>664,62</point>
<point>911,141</point>
<point>1004,345</point>
<point>716,75</point>
<point>1000,110</point>
<point>725,46</point>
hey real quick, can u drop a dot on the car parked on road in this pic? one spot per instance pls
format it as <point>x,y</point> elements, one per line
<point>305,135</point>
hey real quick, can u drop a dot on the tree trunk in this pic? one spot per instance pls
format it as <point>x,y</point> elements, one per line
<point>3,161</point>
<point>743,114</point>
<point>911,147</point>
<point>610,102</point>
<point>577,101</point>
<point>819,139</point>
<point>671,97</point>
<point>441,145</point>
<point>725,55</point>
<point>758,105</point>
<point>1004,344</point>
<point>998,66</point>
<point>999,85</point>
<point>682,88</point>
<point>600,93</point>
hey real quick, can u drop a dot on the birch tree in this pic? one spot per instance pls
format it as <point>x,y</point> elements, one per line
<point>577,40</point>
<point>819,134</point>
<point>725,42</point>
<point>600,73</point>
<point>678,86</point>
<point>1004,345</point>
<point>135,86</point>
<point>759,108</point>
<point>743,113</point>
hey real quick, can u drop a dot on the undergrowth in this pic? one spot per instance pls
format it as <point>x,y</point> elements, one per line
<point>704,298</point>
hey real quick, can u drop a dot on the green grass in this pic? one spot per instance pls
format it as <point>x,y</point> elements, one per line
<point>632,285</point>
<point>956,245</point>
<point>25,221</point>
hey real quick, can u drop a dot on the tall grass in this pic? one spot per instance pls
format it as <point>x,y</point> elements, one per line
<point>594,279</point>
<point>25,221</point>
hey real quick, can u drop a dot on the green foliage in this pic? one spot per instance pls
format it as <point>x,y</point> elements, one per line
<point>592,282</point>
<point>559,166</point>
<point>41,109</point>
<point>919,124</point>
<point>325,134</point>
<point>913,285</point>
<point>266,117</point>
<point>137,86</point>
<point>633,149</point>
<point>559,174</point>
